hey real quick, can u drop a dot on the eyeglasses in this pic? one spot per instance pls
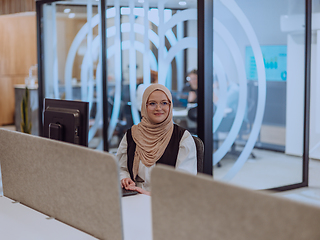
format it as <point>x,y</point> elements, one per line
<point>154,105</point>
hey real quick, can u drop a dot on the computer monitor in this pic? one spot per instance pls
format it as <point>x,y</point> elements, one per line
<point>180,98</point>
<point>66,121</point>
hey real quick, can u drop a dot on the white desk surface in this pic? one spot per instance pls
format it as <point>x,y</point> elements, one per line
<point>18,221</point>
<point>136,216</point>
<point>183,112</point>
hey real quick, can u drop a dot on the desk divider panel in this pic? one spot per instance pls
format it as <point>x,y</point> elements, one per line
<point>196,207</point>
<point>74,184</point>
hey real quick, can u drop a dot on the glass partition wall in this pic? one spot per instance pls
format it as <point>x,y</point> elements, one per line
<point>259,92</point>
<point>236,70</point>
<point>314,146</point>
<point>71,53</point>
<point>148,42</point>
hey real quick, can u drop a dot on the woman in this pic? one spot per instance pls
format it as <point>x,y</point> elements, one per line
<point>154,140</point>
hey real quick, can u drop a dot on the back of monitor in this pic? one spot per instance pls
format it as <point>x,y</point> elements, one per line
<point>73,184</point>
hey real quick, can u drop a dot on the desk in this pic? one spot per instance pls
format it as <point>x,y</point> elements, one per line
<point>20,222</point>
<point>136,217</point>
<point>180,117</point>
<point>180,112</point>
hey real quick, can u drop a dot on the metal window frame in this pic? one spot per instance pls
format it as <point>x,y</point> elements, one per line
<point>104,76</point>
<point>306,117</point>
<point>205,81</point>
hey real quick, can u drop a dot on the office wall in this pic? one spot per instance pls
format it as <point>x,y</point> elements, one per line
<point>315,94</point>
<point>295,105</point>
<point>18,52</point>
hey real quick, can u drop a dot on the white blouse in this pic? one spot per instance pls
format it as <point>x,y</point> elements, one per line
<point>186,160</point>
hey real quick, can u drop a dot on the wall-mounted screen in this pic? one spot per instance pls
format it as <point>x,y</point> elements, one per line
<point>275,62</point>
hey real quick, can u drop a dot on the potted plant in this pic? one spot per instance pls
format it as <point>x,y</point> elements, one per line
<point>25,124</point>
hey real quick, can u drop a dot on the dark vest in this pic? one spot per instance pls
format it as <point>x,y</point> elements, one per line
<point>169,156</point>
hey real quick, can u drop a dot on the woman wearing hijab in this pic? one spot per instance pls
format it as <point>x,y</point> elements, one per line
<point>156,139</point>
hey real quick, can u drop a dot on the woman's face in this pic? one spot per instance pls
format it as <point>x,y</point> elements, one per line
<point>158,107</point>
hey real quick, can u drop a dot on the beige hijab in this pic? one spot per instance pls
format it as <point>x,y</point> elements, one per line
<point>151,139</point>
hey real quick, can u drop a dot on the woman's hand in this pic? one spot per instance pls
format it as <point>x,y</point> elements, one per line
<point>127,182</point>
<point>139,190</point>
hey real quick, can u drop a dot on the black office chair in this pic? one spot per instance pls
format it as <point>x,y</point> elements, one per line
<point>192,116</point>
<point>200,153</point>
<point>126,121</point>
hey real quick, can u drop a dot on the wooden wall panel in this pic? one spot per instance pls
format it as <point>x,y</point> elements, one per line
<point>18,52</point>
<point>17,6</point>
<point>18,45</point>
<point>7,102</point>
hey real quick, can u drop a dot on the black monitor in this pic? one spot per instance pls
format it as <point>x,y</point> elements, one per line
<point>180,99</point>
<point>66,121</point>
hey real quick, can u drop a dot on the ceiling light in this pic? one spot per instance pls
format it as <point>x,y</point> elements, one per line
<point>67,10</point>
<point>72,15</point>
<point>141,1</point>
<point>182,3</point>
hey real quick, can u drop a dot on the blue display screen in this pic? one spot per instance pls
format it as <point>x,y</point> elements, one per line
<point>275,62</point>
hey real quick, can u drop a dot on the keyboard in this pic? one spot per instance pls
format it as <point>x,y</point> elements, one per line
<point>126,192</point>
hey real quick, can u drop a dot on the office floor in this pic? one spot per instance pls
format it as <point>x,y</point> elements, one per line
<point>273,169</point>
<point>268,169</point>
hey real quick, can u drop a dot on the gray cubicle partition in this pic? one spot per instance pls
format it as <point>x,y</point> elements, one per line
<point>73,184</point>
<point>196,207</point>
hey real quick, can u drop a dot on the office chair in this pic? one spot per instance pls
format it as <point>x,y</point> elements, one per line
<point>225,127</point>
<point>200,153</point>
<point>245,129</point>
<point>192,116</point>
<point>125,119</point>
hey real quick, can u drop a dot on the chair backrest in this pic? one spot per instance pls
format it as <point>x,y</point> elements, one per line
<point>193,114</point>
<point>200,153</point>
<point>197,207</point>
<point>74,184</point>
